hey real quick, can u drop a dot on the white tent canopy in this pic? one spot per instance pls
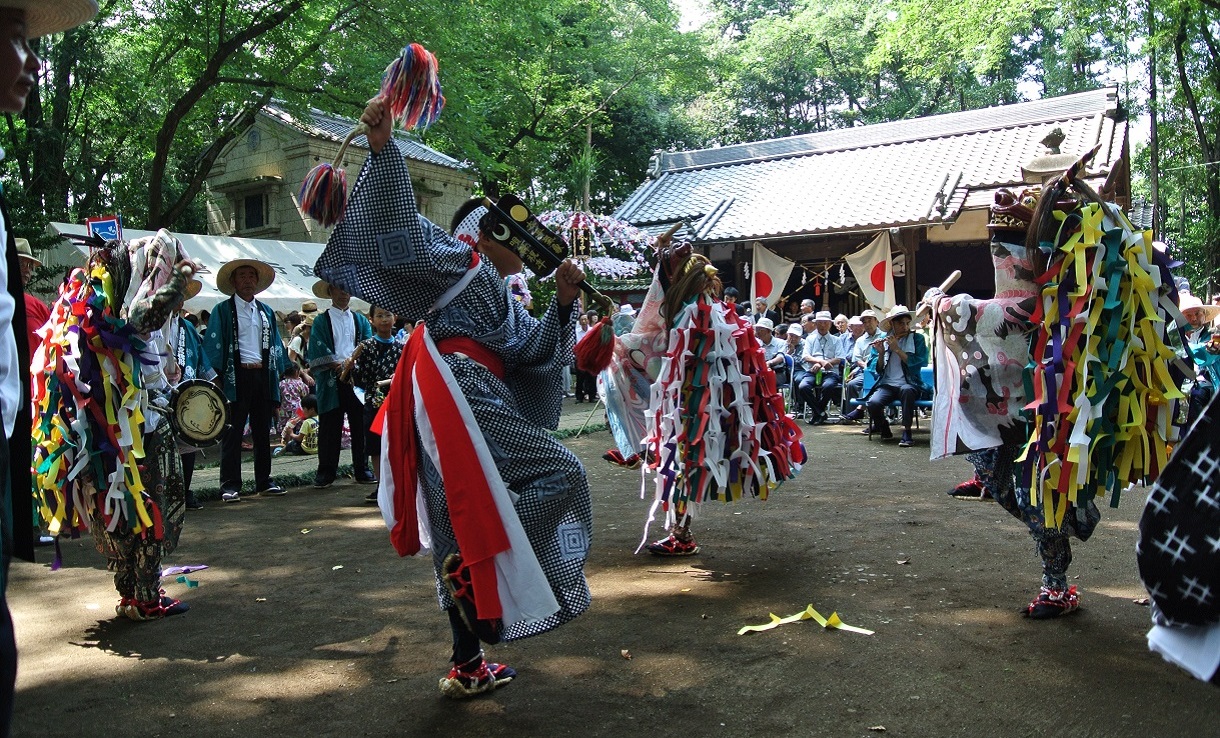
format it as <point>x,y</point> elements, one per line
<point>292,261</point>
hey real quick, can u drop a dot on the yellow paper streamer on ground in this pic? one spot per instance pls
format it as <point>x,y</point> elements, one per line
<point>807,614</point>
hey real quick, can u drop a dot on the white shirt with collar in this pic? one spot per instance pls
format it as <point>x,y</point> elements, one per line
<point>824,346</point>
<point>343,330</point>
<point>10,366</point>
<point>249,331</point>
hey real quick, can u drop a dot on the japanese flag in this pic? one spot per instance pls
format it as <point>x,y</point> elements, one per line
<point>874,270</point>
<point>770,276</point>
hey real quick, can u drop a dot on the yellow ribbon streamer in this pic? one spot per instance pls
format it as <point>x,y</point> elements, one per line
<point>832,622</point>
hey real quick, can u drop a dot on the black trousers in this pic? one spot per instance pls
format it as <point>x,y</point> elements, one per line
<point>884,394</point>
<point>254,404</point>
<point>8,641</point>
<point>586,386</point>
<point>188,473</point>
<point>330,434</point>
<point>465,644</point>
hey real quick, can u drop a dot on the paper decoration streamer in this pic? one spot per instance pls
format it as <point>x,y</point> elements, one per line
<point>1099,382</point>
<point>831,623</point>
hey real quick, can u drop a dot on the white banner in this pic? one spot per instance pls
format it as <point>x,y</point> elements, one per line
<point>770,276</point>
<point>874,270</point>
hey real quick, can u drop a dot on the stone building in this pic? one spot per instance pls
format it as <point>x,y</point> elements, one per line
<point>252,189</point>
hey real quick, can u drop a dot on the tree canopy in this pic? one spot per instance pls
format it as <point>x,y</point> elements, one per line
<point>546,95</point>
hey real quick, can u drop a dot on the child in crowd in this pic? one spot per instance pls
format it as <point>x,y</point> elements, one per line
<point>371,368</point>
<point>300,433</point>
<point>292,391</point>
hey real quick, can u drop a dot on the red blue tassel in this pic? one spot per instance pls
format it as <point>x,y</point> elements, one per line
<point>411,88</point>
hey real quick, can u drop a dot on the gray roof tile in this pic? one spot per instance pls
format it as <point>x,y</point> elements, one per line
<point>326,125</point>
<point>885,175</point>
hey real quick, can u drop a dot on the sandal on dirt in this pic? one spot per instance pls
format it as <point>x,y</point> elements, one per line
<point>1051,603</point>
<point>134,609</point>
<point>673,547</point>
<point>456,577</point>
<point>475,677</point>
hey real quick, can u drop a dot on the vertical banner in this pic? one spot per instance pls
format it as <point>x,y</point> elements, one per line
<point>770,276</point>
<point>874,270</point>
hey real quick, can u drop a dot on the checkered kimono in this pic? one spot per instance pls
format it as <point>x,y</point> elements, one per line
<point>384,252</point>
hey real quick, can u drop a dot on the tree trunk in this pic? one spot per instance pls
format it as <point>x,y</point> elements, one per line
<point>1154,149</point>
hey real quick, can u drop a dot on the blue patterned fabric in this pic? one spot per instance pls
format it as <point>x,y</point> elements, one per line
<point>384,252</point>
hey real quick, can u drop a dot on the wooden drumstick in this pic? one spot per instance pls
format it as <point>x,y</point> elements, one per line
<point>925,308</point>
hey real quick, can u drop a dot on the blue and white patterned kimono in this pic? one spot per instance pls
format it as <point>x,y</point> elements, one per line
<point>384,252</point>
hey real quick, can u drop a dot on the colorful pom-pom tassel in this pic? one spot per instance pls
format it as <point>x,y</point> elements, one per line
<point>411,87</point>
<point>323,194</point>
<point>594,350</point>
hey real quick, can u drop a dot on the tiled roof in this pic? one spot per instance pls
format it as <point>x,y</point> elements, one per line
<point>325,125</point>
<point>895,174</point>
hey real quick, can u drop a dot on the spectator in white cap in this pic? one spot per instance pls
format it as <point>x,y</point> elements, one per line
<point>773,348</point>
<point>823,359</point>
<point>858,360</point>
<point>854,327</point>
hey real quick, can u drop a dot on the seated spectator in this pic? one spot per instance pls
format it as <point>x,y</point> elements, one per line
<point>860,353</point>
<point>300,435</point>
<point>794,347</point>
<point>761,311</point>
<point>897,359</point>
<point>823,359</point>
<point>773,349</point>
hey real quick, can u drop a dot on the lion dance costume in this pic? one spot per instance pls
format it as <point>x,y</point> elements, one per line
<point>104,455</point>
<point>691,387</point>
<point>1058,386</point>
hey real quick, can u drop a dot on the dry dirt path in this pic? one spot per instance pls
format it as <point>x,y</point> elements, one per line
<point>307,623</point>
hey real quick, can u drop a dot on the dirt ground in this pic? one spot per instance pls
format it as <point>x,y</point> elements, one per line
<point>307,623</point>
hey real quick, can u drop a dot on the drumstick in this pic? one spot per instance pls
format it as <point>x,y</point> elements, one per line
<point>925,308</point>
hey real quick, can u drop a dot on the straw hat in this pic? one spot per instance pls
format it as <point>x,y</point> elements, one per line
<point>1187,301</point>
<point>43,17</point>
<point>192,289</point>
<point>309,306</point>
<point>25,252</point>
<point>321,289</point>
<point>895,312</point>
<point>224,275</point>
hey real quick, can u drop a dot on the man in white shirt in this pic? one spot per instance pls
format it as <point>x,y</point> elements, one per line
<point>823,360</point>
<point>243,345</point>
<point>858,358</point>
<point>773,348</point>
<point>335,334</point>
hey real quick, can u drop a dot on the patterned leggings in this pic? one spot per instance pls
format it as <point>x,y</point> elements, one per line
<point>994,467</point>
<point>135,561</point>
